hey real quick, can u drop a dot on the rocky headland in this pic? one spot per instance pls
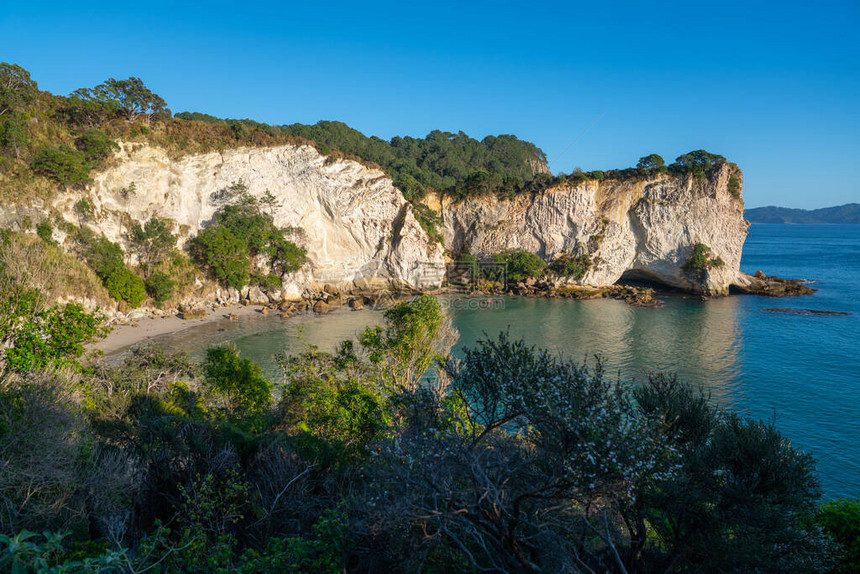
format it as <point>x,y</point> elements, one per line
<point>665,229</point>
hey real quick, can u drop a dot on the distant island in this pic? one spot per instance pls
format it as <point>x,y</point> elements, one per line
<point>848,213</point>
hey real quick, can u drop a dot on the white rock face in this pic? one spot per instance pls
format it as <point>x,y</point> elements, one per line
<point>361,234</point>
<point>640,229</point>
<point>357,228</point>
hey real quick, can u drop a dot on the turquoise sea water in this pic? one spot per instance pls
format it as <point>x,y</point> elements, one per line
<point>802,369</point>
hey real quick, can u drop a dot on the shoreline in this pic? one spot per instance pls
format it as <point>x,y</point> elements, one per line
<point>137,331</point>
<point>127,335</point>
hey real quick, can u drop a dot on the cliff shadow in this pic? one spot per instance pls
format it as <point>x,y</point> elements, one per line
<point>642,278</point>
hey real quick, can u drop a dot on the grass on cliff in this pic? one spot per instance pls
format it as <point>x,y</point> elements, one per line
<point>29,261</point>
<point>49,140</point>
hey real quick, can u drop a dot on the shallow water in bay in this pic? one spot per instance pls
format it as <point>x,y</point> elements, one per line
<point>802,369</point>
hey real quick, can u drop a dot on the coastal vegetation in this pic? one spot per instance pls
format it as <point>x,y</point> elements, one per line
<point>51,144</point>
<point>700,260</point>
<point>240,235</point>
<point>64,138</point>
<point>390,454</point>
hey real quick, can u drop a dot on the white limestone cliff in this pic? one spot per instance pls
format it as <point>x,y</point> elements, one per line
<point>361,234</point>
<point>638,229</point>
<point>358,230</point>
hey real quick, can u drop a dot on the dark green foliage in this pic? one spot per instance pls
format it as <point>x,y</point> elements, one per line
<point>123,285</point>
<point>734,186</point>
<point>62,164</point>
<point>520,264</point>
<point>651,162</point>
<point>160,286</point>
<point>841,521</point>
<point>43,445</point>
<point>268,281</point>
<point>224,254</point>
<point>700,260</point>
<point>96,145</point>
<point>742,495</point>
<point>35,338</point>
<point>17,89</point>
<point>442,161</point>
<point>13,136</point>
<point>83,208</point>
<point>239,232</point>
<point>106,259</point>
<point>321,554</point>
<point>238,380</point>
<point>152,241</point>
<point>85,112</point>
<point>45,232</point>
<point>571,266</point>
<point>103,255</point>
<point>128,97</point>
<point>698,162</point>
<point>429,220</point>
<point>525,462</point>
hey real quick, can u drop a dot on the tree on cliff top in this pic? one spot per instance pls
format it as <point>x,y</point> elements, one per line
<point>697,162</point>
<point>129,97</point>
<point>16,87</point>
<point>651,161</point>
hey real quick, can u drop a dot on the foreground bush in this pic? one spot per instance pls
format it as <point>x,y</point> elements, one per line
<point>391,455</point>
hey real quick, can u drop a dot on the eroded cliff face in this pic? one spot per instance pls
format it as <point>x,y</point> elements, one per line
<point>358,230</point>
<point>635,229</point>
<point>361,234</point>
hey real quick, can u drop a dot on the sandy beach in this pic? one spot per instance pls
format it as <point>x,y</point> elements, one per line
<point>127,335</point>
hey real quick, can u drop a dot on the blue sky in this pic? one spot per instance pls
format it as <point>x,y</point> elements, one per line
<point>773,86</point>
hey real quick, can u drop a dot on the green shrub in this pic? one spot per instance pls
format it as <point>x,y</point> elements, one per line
<point>46,232</point>
<point>734,186</point>
<point>62,164</point>
<point>224,254</point>
<point>238,380</point>
<point>83,207</point>
<point>103,255</point>
<point>429,221</point>
<point>286,255</point>
<point>160,286</point>
<point>41,338</point>
<point>13,137</point>
<point>841,521</point>
<point>96,145</point>
<point>520,264</point>
<point>266,281</point>
<point>322,554</point>
<point>123,285</point>
<point>152,241</point>
<point>700,259</point>
<point>242,231</point>
<point>698,162</point>
<point>571,266</point>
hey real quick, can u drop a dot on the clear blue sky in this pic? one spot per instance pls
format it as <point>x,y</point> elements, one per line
<point>773,86</point>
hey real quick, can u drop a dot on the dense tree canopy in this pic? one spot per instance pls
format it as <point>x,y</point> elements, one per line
<point>129,97</point>
<point>17,89</point>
